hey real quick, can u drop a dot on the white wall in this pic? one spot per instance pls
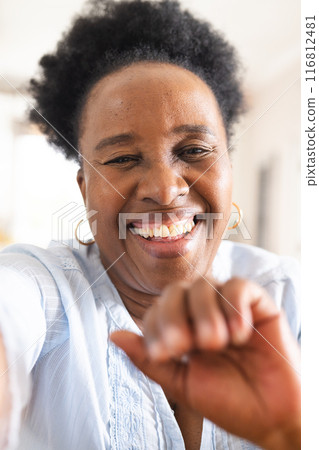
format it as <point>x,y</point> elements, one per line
<point>272,142</point>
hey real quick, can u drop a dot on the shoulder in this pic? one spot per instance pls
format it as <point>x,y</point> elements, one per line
<point>27,258</point>
<point>23,261</point>
<point>45,269</point>
<point>279,275</point>
<point>61,265</point>
<point>254,263</point>
<point>53,279</point>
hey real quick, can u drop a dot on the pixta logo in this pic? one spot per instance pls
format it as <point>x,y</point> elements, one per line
<point>70,220</point>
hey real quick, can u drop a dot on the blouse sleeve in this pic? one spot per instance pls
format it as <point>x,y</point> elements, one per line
<point>23,328</point>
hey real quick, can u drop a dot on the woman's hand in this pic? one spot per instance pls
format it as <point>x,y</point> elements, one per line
<point>226,352</point>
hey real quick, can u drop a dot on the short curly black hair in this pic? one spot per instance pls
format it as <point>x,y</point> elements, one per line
<point>113,34</point>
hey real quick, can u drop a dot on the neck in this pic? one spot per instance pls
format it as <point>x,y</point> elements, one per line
<point>136,301</point>
<point>137,305</point>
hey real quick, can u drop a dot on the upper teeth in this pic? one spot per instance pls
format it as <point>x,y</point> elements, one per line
<point>165,231</point>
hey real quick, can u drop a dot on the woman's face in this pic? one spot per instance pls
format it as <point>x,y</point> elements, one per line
<point>154,144</point>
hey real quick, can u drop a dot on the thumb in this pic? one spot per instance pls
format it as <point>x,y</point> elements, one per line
<point>169,374</point>
<point>133,346</point>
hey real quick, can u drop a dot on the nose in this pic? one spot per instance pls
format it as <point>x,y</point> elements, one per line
<point>162,184</point>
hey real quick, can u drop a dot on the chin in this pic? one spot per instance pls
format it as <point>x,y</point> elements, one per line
<point>156,278</point>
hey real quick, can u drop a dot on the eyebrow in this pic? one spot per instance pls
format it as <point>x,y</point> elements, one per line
<point>124,138</point>
<point>203,129</point>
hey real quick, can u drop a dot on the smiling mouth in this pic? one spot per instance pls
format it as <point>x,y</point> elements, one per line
<point>165,233</point>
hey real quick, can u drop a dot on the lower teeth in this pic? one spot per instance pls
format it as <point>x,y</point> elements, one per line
<point>168,238</point>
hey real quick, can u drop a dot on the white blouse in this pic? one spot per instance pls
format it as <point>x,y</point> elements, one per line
<point>71,388</point>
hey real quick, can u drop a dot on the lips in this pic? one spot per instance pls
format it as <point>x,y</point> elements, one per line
<point>164,233</point>
<point>169,247</point>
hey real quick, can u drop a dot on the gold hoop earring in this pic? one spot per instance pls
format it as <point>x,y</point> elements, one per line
<point>240,214</point>
<point>79,240</point>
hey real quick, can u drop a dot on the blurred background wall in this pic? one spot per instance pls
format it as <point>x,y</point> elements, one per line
<point>36,182</point>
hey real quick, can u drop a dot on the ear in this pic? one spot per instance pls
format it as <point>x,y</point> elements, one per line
<point>82,184</point>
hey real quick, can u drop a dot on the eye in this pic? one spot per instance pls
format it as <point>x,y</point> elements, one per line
<point>195,150</point>
<point>194,153</point>
<point>122,160</point>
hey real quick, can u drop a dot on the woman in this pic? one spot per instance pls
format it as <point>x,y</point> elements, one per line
<point>144,96</point>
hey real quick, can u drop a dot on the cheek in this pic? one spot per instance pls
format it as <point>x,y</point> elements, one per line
<point>216,188</point>
<point>101,197</point>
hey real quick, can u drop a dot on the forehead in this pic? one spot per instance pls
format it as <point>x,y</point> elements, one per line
<point>153,94</point>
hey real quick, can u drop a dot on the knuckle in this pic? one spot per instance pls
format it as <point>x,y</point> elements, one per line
<point>237,289</point>
<point>201,289</point>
